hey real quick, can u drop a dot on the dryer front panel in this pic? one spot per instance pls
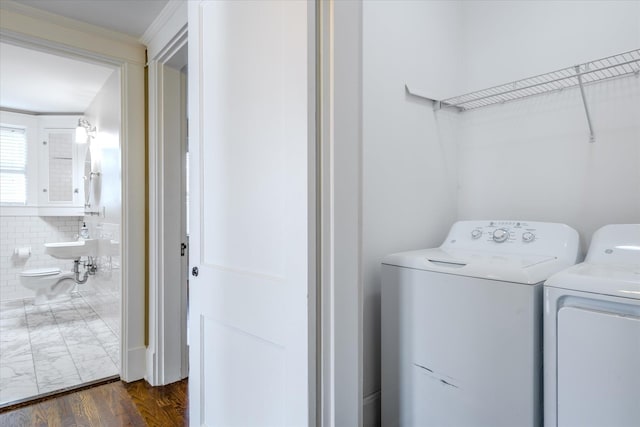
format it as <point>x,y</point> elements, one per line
<point>598,365</point>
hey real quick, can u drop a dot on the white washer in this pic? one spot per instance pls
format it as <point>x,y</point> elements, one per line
<point>592,335</point>
<point>462,325</point>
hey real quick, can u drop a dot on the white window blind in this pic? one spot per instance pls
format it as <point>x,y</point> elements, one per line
<point>13,166</point>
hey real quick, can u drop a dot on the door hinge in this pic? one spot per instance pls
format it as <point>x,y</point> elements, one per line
<point>183,246</point>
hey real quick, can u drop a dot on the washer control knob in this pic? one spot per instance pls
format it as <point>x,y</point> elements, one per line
<point>500,235</point>
<point>528,236</point>
<point>475,234</point>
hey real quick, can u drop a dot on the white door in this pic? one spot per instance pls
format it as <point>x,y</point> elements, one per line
<point>250,121</point>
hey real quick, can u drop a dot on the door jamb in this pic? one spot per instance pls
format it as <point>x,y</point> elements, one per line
<point>159,370</point>
<point>341,297</point>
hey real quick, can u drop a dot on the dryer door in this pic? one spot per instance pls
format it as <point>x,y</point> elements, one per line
<point>598,369</point>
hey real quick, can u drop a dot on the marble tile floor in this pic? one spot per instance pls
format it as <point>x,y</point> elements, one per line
<point>51,347</point>
<point>103,295</point>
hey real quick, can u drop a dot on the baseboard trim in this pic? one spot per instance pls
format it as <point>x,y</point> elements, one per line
<point>135,364</point>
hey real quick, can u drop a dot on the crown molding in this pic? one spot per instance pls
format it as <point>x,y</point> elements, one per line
<point>36,113</point>
<point>40,30</point>
<point>65,22</point>
<point>163,18</point>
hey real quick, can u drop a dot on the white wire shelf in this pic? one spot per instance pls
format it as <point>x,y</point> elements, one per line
<point>611,67</point>
<point>590,72</point>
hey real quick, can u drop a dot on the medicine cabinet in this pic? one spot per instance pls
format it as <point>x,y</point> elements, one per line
<point>60,166</point>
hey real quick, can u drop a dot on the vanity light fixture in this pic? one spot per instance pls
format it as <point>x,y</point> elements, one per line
<point>84,131</point>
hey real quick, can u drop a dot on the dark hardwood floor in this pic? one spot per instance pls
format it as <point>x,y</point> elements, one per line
<point>161,406</point>
<point>114,404</point>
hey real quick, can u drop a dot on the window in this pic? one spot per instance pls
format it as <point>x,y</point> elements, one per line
<point>13,166</point>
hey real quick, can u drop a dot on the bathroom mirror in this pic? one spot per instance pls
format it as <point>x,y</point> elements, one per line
<point>87,178</point>
<point>91,182</point>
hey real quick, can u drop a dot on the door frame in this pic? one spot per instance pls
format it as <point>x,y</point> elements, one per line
<point>52,34</point>
<point>165,38</point>
<point>167,352</point>
<point>340,311</point>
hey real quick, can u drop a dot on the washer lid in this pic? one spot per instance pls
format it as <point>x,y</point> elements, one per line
<point>621,280</point>
<point>48,271</point>
<point>506,267</point>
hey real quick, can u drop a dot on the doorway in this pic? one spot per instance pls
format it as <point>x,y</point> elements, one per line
<point>128,59</point>
<point>66,334</point>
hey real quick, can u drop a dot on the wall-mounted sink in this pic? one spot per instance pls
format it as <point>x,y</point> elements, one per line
<point>72,250</point>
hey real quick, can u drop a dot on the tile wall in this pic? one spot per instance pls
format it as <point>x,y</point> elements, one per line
<point>33,232</point>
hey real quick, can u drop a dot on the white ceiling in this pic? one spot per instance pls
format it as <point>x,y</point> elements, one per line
<point>42,83</point>
<point>38,82</point>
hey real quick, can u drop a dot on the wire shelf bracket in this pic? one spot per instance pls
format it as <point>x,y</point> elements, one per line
<point>620,65</point>
<point>437,105</point>
<point>592,136</point>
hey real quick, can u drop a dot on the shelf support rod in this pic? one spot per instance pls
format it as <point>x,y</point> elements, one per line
<point>592,137</point>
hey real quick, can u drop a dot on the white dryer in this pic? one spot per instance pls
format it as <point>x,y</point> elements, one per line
<point>462,325</point>
<point>592,335</point>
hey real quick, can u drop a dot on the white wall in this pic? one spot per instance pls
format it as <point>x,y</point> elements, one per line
<point>409,162</point>
<point>104,112</point>
<point>531,159</point>
<point>510,40</point>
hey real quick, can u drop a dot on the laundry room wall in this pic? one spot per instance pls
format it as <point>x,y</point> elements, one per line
<point>409,160</point>
<point>531,159</point>
<point>506,41</point>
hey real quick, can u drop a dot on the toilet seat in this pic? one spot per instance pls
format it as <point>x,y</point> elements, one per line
<point>39,272</point>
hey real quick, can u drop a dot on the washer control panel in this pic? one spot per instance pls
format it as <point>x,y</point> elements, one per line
<point>504,232</point>
<point>500,235</point>
<point>514,237</point>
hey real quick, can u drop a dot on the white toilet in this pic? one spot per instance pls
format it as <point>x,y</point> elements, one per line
<point>48,283</point>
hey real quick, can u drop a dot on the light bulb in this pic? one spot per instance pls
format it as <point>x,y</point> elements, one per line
<point>81,135</point>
